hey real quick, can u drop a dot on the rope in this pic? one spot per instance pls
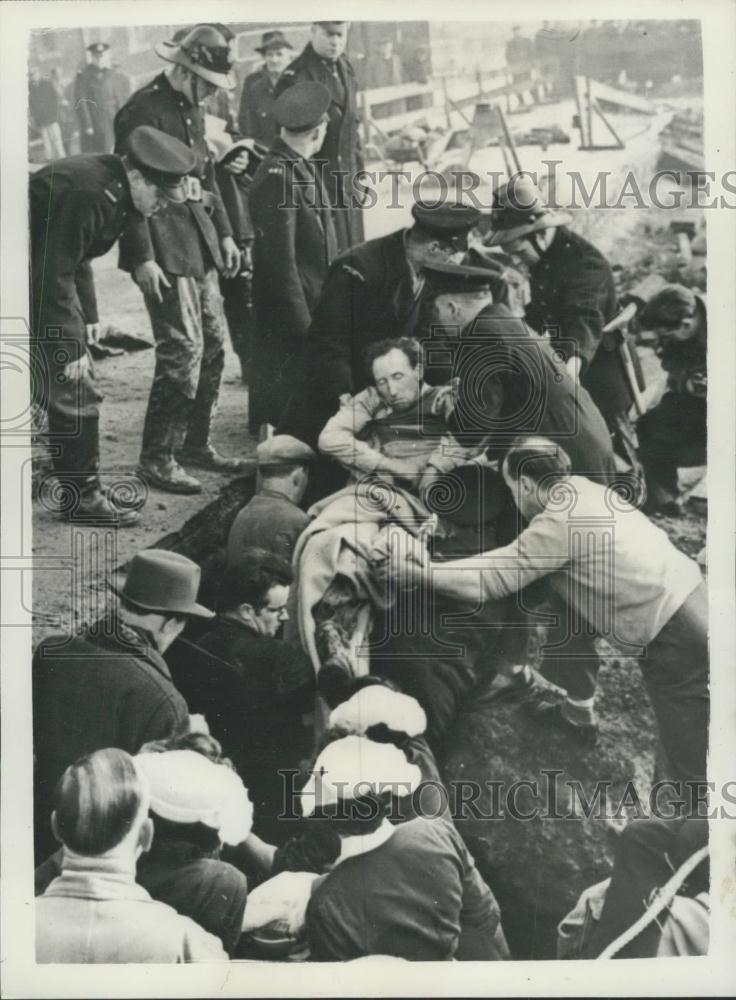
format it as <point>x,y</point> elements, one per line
<point>665,896</point>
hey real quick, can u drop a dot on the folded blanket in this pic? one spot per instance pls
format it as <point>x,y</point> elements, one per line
<point>337,542</point>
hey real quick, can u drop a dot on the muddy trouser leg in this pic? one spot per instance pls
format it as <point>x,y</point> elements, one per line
<point>236,300</point>
<point>213,362</point>
<point>177,329</point>
<point>675,671</point>
<point>673,434</point>
<point>569,658</point>
<point>73,410</point>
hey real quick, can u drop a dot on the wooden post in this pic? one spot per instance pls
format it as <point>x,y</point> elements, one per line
<point>446,102</point>
<point>509,140</point>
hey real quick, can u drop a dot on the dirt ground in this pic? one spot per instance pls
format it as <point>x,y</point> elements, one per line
<point>73,561</point>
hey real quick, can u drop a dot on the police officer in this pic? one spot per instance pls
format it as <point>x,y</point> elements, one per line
<point>573,297</point>
<point>255,119</point>
<point>175,259</point>
<point>99,93</point>
<point>675,433</point>
<point>294,245</point>
<point>78,208</point>
<point>374,291</point>
<point>323,60</point>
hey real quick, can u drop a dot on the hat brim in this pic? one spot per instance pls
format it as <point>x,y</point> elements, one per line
<point>263,49</point>
<point>175,54</point>
<point>549,221</point>
<point>195,610</point>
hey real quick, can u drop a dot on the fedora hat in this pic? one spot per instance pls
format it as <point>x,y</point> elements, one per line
<point>204,50</point>
<point>519,209</point>
<point>273,40</point>
<point>159,580</point>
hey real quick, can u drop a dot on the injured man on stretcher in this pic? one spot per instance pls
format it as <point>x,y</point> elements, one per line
<point>407,470</point>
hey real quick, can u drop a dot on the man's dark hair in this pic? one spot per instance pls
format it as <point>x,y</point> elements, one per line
<point>539,458</point>
<point>249,581</point>
<point>409,345</point>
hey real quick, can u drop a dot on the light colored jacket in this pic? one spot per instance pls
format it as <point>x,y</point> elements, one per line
<point>615,569</point>
<point>103,916</point>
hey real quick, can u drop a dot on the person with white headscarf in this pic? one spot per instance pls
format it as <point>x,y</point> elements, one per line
<point>410,891</point>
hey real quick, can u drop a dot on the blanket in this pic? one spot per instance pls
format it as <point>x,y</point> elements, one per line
<point>336,544</point>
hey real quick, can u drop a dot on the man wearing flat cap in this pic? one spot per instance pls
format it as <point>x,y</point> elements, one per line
<point>272,519</point>
<point>256,101</point>
<point>109,685</point>
<point>99,93</point>
<point>175,260</point>
<point>323,60</point>
<point>573,296</point>
<point>294,245</point>
<point>372,292</point>
<point>79,206</point>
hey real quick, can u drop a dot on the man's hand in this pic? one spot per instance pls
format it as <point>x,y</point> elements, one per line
<point>75,371</point>
<point>150,278</point>
<point>93,331</point>
<point>573,367</point>
<point>406,565</point>
<point>238,163</point>
<point>230,256</point>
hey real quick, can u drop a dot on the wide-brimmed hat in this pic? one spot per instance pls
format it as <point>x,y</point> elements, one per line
<point>273,40</point>
<point>519,209</point>
<point>205,51</point>
<point>166,582</point>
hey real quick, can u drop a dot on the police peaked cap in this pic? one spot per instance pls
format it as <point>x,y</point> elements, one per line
<point>162,158</point>
<point>459,277</point>
<point>446,219</point>
<point>302,106</point>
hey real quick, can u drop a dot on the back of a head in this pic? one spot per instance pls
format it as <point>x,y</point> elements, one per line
<point>97,802</point>
<point>250,579</point>
<point>539,458</point>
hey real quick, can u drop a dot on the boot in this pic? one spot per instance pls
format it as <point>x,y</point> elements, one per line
<point>94,507</point>
<point>168,475</point>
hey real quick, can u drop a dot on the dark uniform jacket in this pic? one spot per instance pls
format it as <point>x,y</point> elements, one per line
<point>368,295</point>
<point>253,691</point>
<point>341,150</point>
<point>78,208</point>
<point>183,239</point>
<point>106,687</point>
<point>270,520</point>
<point>573,295</point>
<point>294,245</point>
<point>256,101</point>
<point>99,93</point>
<point>525,390</point>
<point>417,896</point>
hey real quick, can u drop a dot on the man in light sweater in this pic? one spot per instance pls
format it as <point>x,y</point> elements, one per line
<point>617,575</point>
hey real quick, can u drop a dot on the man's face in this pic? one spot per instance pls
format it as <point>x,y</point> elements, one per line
<point>399,384</point>
<point>328,41</point>
<point>523,249</point>
<point>276,60</point>
<point>457,309</point>
<point>438,251</point>
<point>147,197</point>
<point>273,614</point>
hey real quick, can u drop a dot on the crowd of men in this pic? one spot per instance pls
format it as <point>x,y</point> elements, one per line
<point>443,417</point>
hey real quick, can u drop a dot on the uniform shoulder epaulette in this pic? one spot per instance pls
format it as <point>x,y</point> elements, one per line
<point>113,192</point>
<point>353,272</point>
